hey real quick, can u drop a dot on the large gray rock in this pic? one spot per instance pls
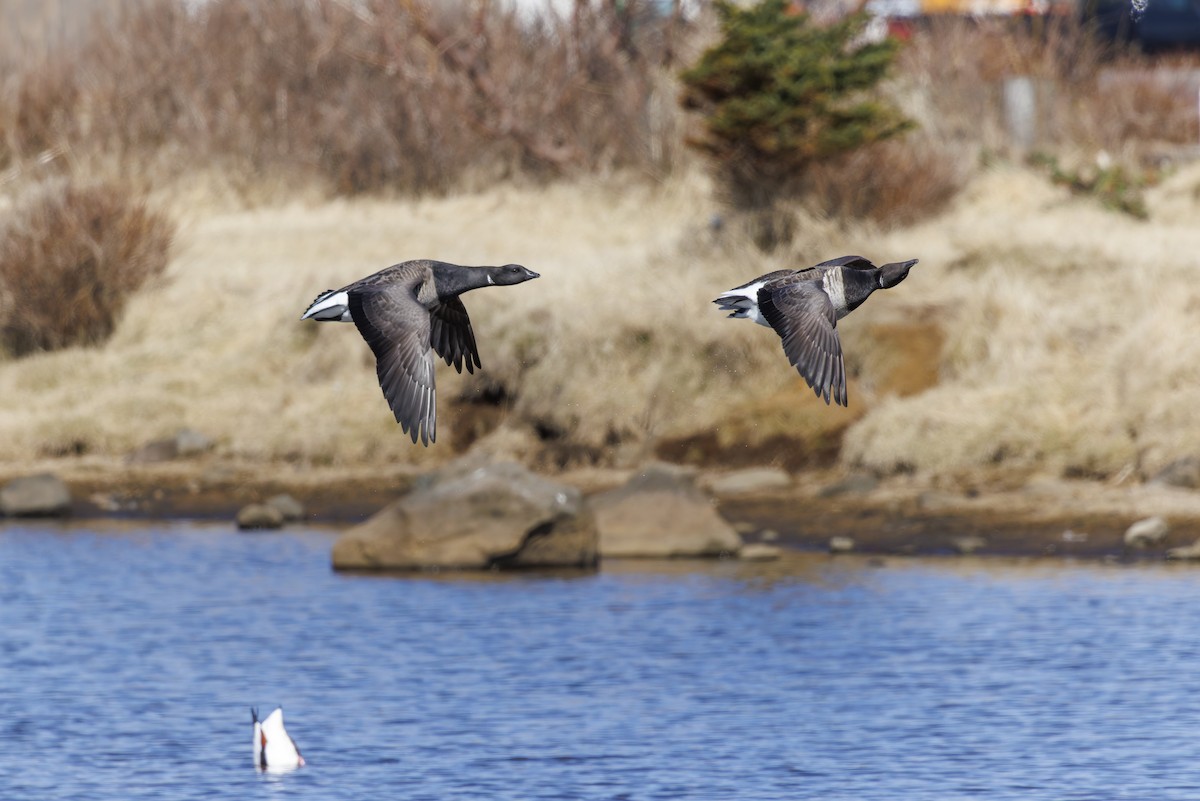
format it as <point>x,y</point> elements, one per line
<point>499,515</point>
<point>43,495</point>
<point>660,513</point>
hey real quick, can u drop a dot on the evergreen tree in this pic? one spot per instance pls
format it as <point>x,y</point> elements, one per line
<point>779,93</point>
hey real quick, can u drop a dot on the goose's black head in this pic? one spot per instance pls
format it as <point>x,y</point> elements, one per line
<point>511,274</point>
<point>892,274</point>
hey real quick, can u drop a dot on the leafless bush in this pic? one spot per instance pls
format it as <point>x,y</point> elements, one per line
<point>70,256</point>
<point>405,95</point>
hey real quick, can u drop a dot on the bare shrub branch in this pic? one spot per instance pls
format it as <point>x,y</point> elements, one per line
<point>70,257</point>
<point>397,95</point>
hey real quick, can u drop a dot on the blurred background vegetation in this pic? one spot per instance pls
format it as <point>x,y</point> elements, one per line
<point>405,97</point>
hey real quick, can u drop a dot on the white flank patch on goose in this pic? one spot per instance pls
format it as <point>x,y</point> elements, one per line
<point>750,292</point>
<point>335,305</point>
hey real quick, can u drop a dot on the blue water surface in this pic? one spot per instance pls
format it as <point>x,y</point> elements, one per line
<point>129,658</point>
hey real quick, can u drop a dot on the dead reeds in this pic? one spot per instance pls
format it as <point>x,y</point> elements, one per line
<point>393,95</point>
<point>70,256</point>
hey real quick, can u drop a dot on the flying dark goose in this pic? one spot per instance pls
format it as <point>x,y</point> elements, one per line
<point>403,311</point>
<point>803,307</point>
<point>274,748</point>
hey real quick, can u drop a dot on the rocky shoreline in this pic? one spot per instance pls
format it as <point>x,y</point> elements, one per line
<point>811,510</point>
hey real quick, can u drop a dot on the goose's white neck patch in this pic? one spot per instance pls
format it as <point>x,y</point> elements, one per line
<point>491,280</point>
<point>835,288</point>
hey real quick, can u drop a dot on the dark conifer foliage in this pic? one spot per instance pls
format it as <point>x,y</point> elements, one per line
<point>779,93</point>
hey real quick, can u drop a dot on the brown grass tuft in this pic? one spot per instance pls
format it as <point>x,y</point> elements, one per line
<point>894,183</point>
<point>70,256</point>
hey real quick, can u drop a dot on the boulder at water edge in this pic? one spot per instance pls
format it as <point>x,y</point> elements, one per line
<point>43,495</point>
<point>660,513</point>
<point>259,517</point>
<point>1147,533</point>
<point>499,515</point>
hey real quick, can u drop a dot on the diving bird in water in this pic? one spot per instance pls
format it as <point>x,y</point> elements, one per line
<point>803,307</point>
<point>402,312</point>
<point>274,749</point>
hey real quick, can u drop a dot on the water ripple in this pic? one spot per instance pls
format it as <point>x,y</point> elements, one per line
<point>129,660</point>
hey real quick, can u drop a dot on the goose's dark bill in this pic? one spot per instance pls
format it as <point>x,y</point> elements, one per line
<point>397,328</point>
<point>803,316</point>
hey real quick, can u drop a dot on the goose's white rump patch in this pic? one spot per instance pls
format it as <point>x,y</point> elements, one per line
<point>743,302</point>
<point>334,306</point>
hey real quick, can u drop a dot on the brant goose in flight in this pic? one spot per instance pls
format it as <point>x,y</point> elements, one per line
<point>274,749</point>
<point>404,310</point>
<point>803,306</point>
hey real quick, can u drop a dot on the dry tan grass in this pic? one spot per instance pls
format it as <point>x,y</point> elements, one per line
<point>219,346</point>
<point>1069,339</point>
<point>1068,343</point>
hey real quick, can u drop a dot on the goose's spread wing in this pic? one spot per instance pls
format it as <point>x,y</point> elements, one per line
<point>451,335</point>
<point>853,262</point>
<point>397,328</point>
<point>802,314</point>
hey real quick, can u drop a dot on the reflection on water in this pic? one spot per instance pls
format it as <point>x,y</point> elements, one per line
<point>129,659</point>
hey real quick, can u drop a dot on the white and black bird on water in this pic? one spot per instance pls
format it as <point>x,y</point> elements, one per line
<point>403,312</point>
<point>274,748</point>
<point>803,307</point>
